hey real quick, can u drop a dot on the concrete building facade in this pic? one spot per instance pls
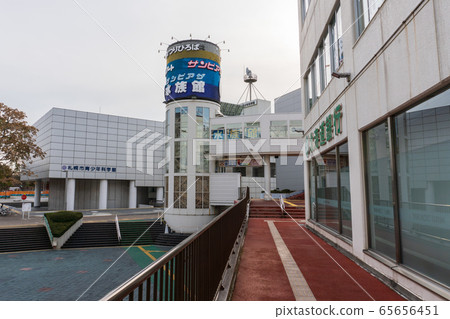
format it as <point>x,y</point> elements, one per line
<point>290,170</point>
<point>98,161</point>
<point>376,89</point>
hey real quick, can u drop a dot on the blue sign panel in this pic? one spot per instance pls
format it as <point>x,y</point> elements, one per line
<point>188,77</point>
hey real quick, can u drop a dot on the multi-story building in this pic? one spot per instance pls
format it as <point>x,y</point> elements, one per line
<point>376,88</point>
<point>289,170</point>
<point>98,161</point>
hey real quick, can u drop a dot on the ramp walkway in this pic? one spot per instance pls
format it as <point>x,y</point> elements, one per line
<point>283,260</point>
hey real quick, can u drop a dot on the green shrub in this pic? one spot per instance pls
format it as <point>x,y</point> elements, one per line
<point>60,222</point>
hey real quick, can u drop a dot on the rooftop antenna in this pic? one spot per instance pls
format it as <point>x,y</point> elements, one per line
<point>250,78</point>
<point>208,37</point>
<point>173,38</point>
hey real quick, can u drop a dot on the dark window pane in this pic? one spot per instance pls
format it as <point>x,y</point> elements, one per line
<point>423,172</point>
<point>346,211</point>
<point>327,191</point>
<point>379,194</point>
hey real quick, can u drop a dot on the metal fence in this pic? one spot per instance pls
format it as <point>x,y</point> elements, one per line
<point>192,270</point>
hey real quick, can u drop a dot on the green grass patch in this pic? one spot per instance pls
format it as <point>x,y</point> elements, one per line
<point>60,222</point>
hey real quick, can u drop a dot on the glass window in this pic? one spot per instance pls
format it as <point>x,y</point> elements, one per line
<point>242,170</point>
<point>379,190</point>
<point>305,7</point>
<point>312,188</point>
<point>309,92</point>
<point>167,123</point>
<point>344,191</point>
<point>217,132</point>
<point>166,157</point>
<point>365,11</point>
<point>234,131</point>
<point>327,59</point>
<point>180,157</point>
<point>180,192</point>
<point>202,118</point>
<point>166,192</point>
<point>252,130</point>
<point>317,78</point>
<point>202,159</point>
<point>329,185</point>
<point>202,192</point>
<point>296,129</point>
<point>340,45</point>
<point>278,129</point>
<point>258,171</point>
<point>181,122</point>
<point>423,177</point>
<point>327,191</point>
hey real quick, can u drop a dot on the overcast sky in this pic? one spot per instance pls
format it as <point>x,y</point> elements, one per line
<point>53,54</point>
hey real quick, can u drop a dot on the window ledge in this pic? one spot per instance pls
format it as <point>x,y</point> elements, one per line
<point>331,231</point>
<point>420,279</point>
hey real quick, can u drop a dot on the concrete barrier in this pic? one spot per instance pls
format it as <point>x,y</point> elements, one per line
<point>58,242</point>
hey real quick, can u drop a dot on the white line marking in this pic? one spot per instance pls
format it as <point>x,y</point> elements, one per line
<point>298,283</point>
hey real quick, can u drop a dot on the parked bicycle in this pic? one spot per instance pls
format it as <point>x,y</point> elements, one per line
<point>5,210</point>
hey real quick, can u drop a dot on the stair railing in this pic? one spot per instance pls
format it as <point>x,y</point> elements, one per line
<point>119,236</point>
<point>49,231</point>
<point>193,269</point>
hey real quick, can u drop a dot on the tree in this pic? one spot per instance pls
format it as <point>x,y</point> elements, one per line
<point>17,143</point>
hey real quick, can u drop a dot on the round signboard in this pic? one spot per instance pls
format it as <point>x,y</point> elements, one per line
<point>24,196</point>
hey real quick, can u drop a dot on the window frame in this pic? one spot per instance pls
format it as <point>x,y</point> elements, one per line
<point>394,182</point>
<point>313,209</point>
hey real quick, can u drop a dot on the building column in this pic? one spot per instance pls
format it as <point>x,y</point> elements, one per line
<point>266,160</point>
<point>160,195</point>
<point>103,194</point>
<point>70,194</point>
<point>37,193</point>
<point>132,197</point>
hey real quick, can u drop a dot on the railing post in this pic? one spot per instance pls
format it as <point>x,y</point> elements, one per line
<point>193,270</point>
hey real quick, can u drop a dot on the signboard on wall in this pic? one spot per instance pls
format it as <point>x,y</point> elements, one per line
<point>193,70</point>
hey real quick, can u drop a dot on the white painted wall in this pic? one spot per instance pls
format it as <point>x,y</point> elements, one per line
<point>402,55</point>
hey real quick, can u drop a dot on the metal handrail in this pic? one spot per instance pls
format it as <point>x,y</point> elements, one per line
<point>189,287</point>
<point>47,227</point>
<point>119,235</point>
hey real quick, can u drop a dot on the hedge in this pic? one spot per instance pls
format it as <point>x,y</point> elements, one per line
<point>60,222</point>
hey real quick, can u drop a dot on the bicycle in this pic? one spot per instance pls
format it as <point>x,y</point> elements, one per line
<point>5,211</point>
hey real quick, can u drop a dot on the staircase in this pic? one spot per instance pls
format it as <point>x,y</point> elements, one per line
<point>22,239</point>
<point>260,208</point>
<point>149,230</point>
<point>94,235</point>
<point>300,195</point>
<point>105,234</point>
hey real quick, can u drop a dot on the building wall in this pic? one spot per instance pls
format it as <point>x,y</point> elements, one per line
<point>93,147</point>
<point>101,142</point>
<point>289,103</point>
<point>56,194</point>
<point>290,170</point>
<point>401,57</point>
<point>290,175</point>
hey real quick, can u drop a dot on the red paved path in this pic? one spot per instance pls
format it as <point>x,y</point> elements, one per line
<point>261,275</point>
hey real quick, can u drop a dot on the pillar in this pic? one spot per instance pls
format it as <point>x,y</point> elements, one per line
<point>132,198</point>
<point>70,194</point>
<point>160,195</point>
<point>37,193</point>
<point>266,160</point>
<point>103,194</point>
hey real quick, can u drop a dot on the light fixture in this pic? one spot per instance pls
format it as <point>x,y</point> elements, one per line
<point>341,75</point>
